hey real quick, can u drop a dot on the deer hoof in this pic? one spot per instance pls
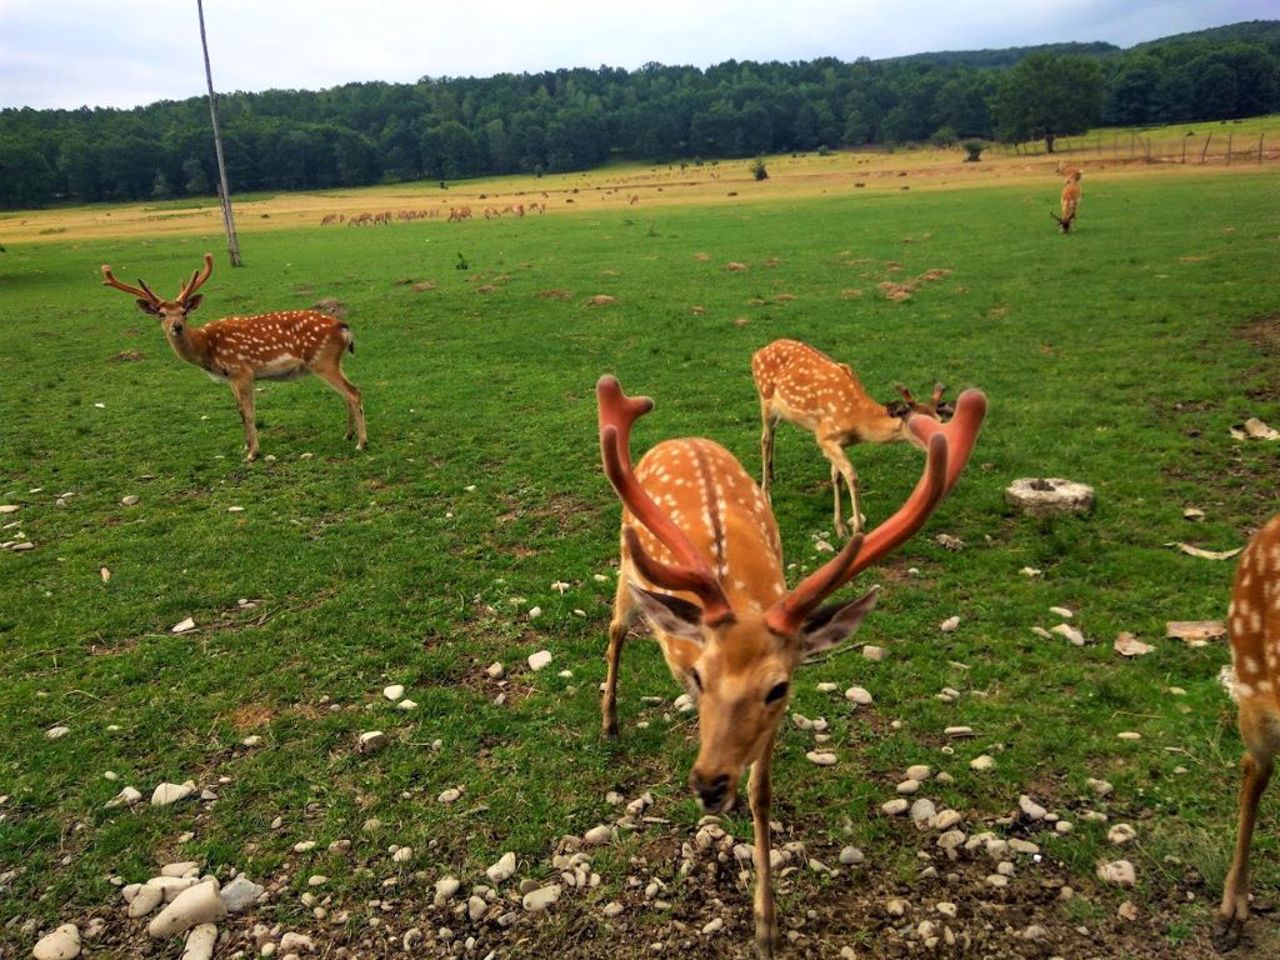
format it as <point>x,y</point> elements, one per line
<point>1226,933</point>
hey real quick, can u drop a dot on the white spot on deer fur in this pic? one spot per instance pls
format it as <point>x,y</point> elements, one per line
<point>1250,665</point>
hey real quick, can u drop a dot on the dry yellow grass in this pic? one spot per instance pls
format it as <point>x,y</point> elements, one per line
<point>635,188</point>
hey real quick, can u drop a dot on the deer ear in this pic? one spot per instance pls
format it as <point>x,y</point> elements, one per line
<point>668,614</point>
<point>835,623</point>
<point>146,306</point>
<point>193,302</point>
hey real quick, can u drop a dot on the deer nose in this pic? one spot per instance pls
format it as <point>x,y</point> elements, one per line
<point>711,792</point>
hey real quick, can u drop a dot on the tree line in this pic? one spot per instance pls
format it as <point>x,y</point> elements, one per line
<point>574,119</point>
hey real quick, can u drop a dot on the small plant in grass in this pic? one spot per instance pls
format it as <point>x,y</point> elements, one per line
<point>759,170</point>
<point>973,150</point>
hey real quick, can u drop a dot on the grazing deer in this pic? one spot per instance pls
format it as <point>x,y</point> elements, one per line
<point>801,384</point>
<point>268,346</point>
<point>1253,679</point>
<point>1070,200</point>
<point>702,561</point>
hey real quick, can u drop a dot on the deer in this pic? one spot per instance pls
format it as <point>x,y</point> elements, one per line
<point>802,385</point>
<point>701,561</point>
<point>1070,200</point>
<point>1253,680</point>
<point>283,345</point>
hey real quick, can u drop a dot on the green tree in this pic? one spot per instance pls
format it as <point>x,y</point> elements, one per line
<point>1047,95</point>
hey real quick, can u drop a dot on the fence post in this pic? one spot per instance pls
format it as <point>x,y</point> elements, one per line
<point>1260,138</point>
<point>1229,136</point>
<point>1207,140</point>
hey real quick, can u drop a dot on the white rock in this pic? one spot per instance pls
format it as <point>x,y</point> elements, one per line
<point>200,942</point>
<point>1100,788</point>
<point>983,762</point>
<point>923,810</point>
<point>167,793</point>
<point>407,705</point>
<point>1121,834</point>
<point>146,899</point>
<point>873,653</point>
<point>251,741</point>
<point>125,798</point>
<point>959,732</point>
<point>949,625</point>
<point>859,695</point>
<point>908,787</point>
<point>496,670</point>
<point>919,771</point>
<point>1062,612</point>
<point>62,944</point>
<point>184,627</point>
<point>195,905</point>
<point>1032,809</point>
<point>9,508</point>
<point>539,660</point>
<point>57,733</point>
<point>1071,633</point>
<point>713,926</point>
<point>598,835</point>
<point>850,856</point>
<point>240,894</point>
<point>541,898</point>
<point>402,855</point>
<point>684,703</point>
<point>180,868</point>
<point>373,741</point>
<point>612,909</point>
<point>535,613</point>
<point>450,795</point>
<point>895,807</point>
<point>1047,497</point>
<point>131,500</point>
<point>296,943</point>
<point>1064,827</point>
<point>821,758</point>
<point>827,687</point>
<point>476,908</point>
<point>393,692</point>
<point>1129,735</point>
<point>446,887</point>
<point>503,869</point>
<point>946,819</point>
<point>1119,872</point>
<point>317,880</point>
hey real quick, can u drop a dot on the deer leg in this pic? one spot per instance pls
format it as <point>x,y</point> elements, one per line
<point>1256,727</point>
<point>760,788</point>
<point>355,403</point>
<point>766,448</point>
<point>243,389</point>
<point>623,614</point>
<point>842,469</point>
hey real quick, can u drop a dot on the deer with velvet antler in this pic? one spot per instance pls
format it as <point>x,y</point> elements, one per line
<point>283,345</point>
<point>702,562</point>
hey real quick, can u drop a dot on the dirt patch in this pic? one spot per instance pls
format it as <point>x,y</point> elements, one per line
<point>423,286</point>
<point>251,716</point>
<point>1263,334</point>
<point>332,306</point>
<point>128,356</point>
<point>601,300</point>
<point>556,294</point>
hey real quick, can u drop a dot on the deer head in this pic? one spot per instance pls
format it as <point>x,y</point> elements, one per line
<point>172,313</point>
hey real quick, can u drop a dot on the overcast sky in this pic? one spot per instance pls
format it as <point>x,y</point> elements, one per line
<point>71,53</point>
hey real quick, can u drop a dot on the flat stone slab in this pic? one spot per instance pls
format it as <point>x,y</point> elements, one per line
<point>1049,496</point>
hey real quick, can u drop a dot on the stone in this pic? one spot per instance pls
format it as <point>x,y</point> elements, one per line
<point>1076,638</point>
<point>1100,788</point>
<point>949,625</point>
<point>539,660</point>
<point>407,705</point>
<point>1063,612</point>
<point>922,811</point>
<point>598,835</point>
<point>908,787</point>
<point>1064,827</point>
<point>180,868</point>
<point>713,926</point>
<point>1049,497</point>
<point>169,793</point>
<point>873,653</point>
<point>946,819</point>
<point>125,798</point>
<point>56,733</point>
<point>195,905</point>
<point>476,907</point>
<point>895,807</point>
<point>495,670</point>
<point>451,795</point>
<point>240,894</point>
<point>372,741</point>
<point>851,856</point>
<point>540,899</point>
<point>958,732</point>
<point>9,508</point>
<point>296,943</point>
<point>446,887</point>
<point>393,692</point>
<point>919,772</point>
<point>504,869</point>
<point>146,899</point>
<point>185,626</point>
<point>1032,809</point>
<point>200,942</point>
<point>612,909</point>
<point>1118,872</point>
<point>859,695</point>
<point>982,762</point>
<point>1121,834</point>
<point>62,944</point>
<point>130,500</point>
<point>821,758</point>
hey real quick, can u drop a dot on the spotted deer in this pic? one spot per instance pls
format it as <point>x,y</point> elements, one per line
<point>1070,199</point>
<point>283,345</point>
<point>801,384</point>
<point>1253,679</point>
<point>702,562</point>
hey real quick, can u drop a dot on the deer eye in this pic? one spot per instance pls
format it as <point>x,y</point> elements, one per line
<point>697,678</point>
<point>778,691</point>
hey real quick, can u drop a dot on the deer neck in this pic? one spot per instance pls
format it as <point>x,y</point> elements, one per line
<point>192,346</point>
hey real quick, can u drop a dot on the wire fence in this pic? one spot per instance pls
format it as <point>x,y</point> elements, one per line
<point>1225,149</point>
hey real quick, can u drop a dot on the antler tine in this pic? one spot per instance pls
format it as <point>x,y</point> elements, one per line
<point>617,412</point>
<point>961,431</point>
<point>938,390</point>
<point>906,394</point>
<point>197,279</point>
<point>786,616</point>
<point>109,280</point>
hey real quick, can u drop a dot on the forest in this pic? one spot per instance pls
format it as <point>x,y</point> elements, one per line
<point>451,128</point>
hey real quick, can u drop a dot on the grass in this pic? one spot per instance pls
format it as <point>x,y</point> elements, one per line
<point>1112,356</point>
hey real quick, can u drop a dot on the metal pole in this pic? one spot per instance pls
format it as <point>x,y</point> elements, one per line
<point>224,193</point>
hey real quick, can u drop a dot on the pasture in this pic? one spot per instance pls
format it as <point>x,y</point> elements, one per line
<point>1118,356</point>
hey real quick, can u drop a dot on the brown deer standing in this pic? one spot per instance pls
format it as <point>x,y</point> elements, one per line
<point>701,560</point>
<point>268,346</point>
<point>1070,199</point>
<point>1253,622</point>
<point>801,384</point>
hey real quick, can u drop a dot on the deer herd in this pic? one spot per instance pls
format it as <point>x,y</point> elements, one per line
<point>701,558</point>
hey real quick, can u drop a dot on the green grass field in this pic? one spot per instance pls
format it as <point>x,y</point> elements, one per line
<point>1118,356</point>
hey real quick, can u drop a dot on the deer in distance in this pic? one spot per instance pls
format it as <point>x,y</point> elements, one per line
<point>283,345</point>
<point>801,384</point>
<point>1253,680</point>
<point>1070,199</point>
<point>701,560</point>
